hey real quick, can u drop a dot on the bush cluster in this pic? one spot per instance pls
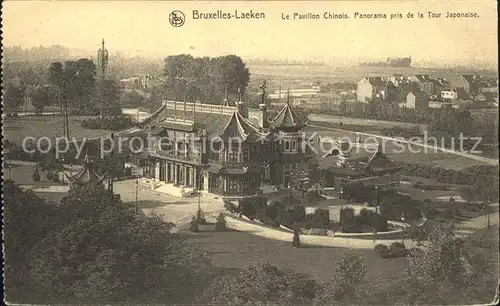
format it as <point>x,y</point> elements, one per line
<point>113,124</point>
<point>396,249</point>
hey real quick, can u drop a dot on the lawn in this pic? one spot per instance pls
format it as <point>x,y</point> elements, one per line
<point>237,249</point>
<point>405,152</point>
<point>16,129</point>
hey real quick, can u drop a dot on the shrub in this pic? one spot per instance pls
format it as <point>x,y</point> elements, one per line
<point>346,216</point>
<point>382,250</point>
<point>380,223</point>
<point>194,225</point>
<point>352,228</point>
<point>397,249</point>
<point>55,179</point>
<point>49,175</point>
<point>200,217</point>
<point>416,252</point>
<point>36,175</point>
<point>320,219</point>
<point>220,224</point>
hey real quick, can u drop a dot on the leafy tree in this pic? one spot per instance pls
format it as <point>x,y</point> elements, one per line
<point>101,252</point>
<point>132,99</point>
<point>41,97</point>
<point>27,219</point>
<point>261,284</point>
<point>348,282</point>
<point>436,267</point>
<point>13,97</point>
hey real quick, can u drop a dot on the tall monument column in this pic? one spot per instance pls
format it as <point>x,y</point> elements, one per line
<point>102,63</point>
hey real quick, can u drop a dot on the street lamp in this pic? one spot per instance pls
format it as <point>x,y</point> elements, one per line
<point>62,159</point>
<point>376,197</point>
<point>403,234</point>
<point>136,195</point>
<point>488,211</point>
<point>10,168</point>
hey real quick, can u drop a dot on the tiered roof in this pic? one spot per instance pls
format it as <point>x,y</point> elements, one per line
<point>287,118</point>
<point>240,128</point>
<point>87,176</point>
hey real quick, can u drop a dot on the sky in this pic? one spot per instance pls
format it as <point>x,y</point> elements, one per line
<point>143,28</point>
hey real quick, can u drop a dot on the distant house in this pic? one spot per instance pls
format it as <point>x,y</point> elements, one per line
<point>487,86</point>
<point>465,85</point>
<point>439,85</point>
<point>398,79</point>
<point>369,88</point>
<point>418,100</point>
<point>150,81</point>
<point>130,83</point>
<point>448,94</point>
<point>426,83</point>
<point>298,95</point>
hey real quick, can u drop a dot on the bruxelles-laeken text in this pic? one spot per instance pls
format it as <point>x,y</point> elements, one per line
<point>219,14</point>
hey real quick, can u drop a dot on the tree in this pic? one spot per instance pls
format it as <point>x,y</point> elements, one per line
<point>111,96</point>
<point>220,224</point>
<point>41,97</point>
<point>348,283</point>
<point>13,97</point>
<point>132,99</point>
<point>261,284</point>
<point>101,252</point>
<point>436,267</point>
<point>27,219</point>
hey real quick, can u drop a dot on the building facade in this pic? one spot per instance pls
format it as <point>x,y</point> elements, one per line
<point>217,149</point>
<point>370,88</point>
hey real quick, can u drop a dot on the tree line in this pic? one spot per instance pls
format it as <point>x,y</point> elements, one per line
<point>202,79</point>
<point>73,83</point>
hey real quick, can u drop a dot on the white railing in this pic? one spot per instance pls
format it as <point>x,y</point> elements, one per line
<point>188,107</point>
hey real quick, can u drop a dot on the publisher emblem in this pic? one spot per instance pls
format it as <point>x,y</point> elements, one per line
<point>177,18</point>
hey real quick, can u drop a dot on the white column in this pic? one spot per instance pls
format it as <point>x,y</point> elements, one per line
<point>157,170</point>
<point>205,181</point>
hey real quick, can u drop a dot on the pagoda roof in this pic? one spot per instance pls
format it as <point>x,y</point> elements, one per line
<point>287,118</point>
<point>238,127</point>
<point>87,175</point>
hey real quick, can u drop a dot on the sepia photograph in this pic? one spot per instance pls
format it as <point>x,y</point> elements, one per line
<point>250,152</point>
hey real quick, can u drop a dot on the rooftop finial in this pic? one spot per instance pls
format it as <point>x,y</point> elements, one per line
<point>225,94</point>
<point>263,87</point>
<point>239,92</point>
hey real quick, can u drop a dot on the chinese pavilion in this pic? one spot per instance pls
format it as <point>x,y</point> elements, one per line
<point>219,150</point>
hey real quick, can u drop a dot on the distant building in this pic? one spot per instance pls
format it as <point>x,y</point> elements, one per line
<point>130,83</point>
<point>364,167</point>
<point>426,83</point>
<point>150,81</point>
<point>465,85</point>
<point>369,88</point>
<point>298,96</point>
<point>449,94</point>
<point>418,100</point>
<point>439,85</point>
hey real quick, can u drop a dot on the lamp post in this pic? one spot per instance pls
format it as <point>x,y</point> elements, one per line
<point>488,212</point>
<point>376,198</point>
<point>10,178</point>
<point>62,159</point>
<point>136,195</point>
<point>403,234</point>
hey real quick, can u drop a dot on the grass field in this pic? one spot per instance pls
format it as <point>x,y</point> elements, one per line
<point>16,129</point>
<point>237,249</point>
<point>417,155</point>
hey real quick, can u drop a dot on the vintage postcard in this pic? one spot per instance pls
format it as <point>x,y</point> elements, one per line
<point>250,152</point>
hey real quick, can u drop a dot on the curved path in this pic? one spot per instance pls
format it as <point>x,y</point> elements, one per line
<point>462,229</point>
<point>486,160</point>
